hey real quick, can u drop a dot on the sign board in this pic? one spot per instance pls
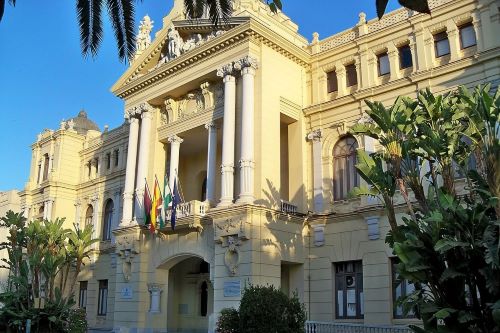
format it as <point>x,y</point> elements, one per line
<point>126,292</point>
<point>232,288</point>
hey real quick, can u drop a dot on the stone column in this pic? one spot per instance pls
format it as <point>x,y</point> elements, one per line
<point>453,39</point>
<point>341,79</point>
<point>365,81</point>
<point>128,192</point>
<point>175,145</point>
<point>78,207</point>
<point>228,134</point>
<point>248,66</point>
<point>420,45</point>
<point>392,52</point>
<point>315,137</point>
<point>429,50</point>
<point>477,29</point>
<point>142,162</point>
<point>48,209</point>
<point>155,294</point>
<point>116,214</point>
<point>413,50</point>
<point>357,64</point>
<point>211,160</point>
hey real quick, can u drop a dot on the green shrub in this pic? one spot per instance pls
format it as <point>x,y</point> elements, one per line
<point>78,321</point>
<point>229,321</point>
<point>267,309</point>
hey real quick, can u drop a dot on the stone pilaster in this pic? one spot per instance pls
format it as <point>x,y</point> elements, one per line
<point>315,138</point>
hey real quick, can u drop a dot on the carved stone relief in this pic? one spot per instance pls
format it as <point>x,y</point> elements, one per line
<point>126,250</point>
<point>231,233</point>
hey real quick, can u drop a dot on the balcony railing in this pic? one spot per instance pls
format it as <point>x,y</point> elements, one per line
<point>288,207</point>
<point>329,327</point>
<point>189,213</point>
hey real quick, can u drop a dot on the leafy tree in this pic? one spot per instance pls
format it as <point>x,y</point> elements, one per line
<point>42,257</point>
<point>448,243</point>
<point>121,15</point>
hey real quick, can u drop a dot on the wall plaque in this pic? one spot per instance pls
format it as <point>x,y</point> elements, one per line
<point>232,288</point>
<point>126,292</point>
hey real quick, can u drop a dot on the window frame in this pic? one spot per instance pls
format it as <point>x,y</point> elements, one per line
<point>116,156</point>
<point>357,273</point>
<point>461,28</point>
<point>46,163</point>
<point>349,70</point>
<point>348,153</point>
<point>438,38</point>
<point>108,161</point>
<point>380,56</point>
<point>401,54</point>
<point>394,285</point>
<point>329,82</point>
<point>102,298</point>
<point>107,222</point>
<point>89,218</point>
<point>82,294</point>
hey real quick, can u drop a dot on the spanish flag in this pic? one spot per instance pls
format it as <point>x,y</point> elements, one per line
<point>156,206</point>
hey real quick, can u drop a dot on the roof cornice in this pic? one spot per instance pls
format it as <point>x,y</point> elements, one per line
<point>251,30</point>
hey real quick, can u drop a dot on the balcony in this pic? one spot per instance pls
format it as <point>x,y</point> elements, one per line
<point>189,215</point>
<point>287,207</point>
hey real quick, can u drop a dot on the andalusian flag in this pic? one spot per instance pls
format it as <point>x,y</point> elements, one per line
<point>156,206</point>
<point>147,205</point>
<point>176,200</point>
<point>167,201</point>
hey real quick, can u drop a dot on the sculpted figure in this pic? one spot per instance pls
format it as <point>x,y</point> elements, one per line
<point>143,37</point>
<point>174,43</point>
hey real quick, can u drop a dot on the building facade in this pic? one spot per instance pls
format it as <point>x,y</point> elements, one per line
<point>252,123</point>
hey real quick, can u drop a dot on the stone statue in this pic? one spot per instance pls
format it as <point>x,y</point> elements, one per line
<point>144,36</point>
<point>174,43</point>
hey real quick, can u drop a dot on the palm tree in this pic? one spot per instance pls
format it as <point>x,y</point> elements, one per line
<point>79,242</point>
<point>121,15</point>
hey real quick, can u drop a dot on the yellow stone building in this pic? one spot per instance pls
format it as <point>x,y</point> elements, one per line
<point>252,122</point>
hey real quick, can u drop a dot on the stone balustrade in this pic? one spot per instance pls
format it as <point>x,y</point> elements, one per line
<point>330,327</point>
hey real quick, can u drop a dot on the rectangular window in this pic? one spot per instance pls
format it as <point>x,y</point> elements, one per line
<point>467,36</point>
<point>441,44</point>
<point>351,75</point>
<point>383,64</point>
<point>97,166</point>
<point>349,298</point>
<point>108,161</point>
<point>405,60</point>
<point>102,301</point>
<point>82,298</point>
<point>400,288</point>
<point>117,155</point>
<point>333,85</point>
<point>89,169</point>
<point>45,167</point>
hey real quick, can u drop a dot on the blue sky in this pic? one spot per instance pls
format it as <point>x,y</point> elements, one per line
<point>45,79</point>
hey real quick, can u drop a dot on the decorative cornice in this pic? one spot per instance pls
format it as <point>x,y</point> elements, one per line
<point>252,30</point>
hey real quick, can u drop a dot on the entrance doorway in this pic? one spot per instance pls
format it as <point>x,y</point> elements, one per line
<point>190,296</point>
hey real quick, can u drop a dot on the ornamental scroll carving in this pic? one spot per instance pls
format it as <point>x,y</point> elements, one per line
<point>136,111</point>
<point>196,101</point>
<point>231,233</point>
<point>126,249</point>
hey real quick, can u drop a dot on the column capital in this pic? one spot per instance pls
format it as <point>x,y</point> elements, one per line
<point>314,135</point>
<point>137,110</point>
<point>226,70</point>
<point>174,139</point>
<point>246,62</point>
<point>155,287</point>
<point>211,126</point>
<point>147,115</point>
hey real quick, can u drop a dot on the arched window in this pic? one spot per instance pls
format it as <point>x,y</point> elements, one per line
<point>89,215</point>
<point>345,176</point>
<point>204,299</point>
<point>40,213</point>
<point>108,220</point>
<point>45,166</point>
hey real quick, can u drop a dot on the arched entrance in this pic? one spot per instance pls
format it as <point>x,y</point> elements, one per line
<point>190,296</point>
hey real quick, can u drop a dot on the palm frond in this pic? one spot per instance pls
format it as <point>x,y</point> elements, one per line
<point>83,17</point>
<point>194,8</point>
<point>115,15</point>
<point>128,10</point>
<point>2,8</point>
<point>96,21</point>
